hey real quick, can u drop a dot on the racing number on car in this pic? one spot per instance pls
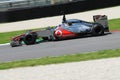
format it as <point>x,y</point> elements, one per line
<point>58,33</point>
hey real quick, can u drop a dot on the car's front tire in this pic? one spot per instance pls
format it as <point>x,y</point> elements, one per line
<point>30,39</point>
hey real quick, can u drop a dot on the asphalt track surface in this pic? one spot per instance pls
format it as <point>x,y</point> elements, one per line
<point>44,49</point>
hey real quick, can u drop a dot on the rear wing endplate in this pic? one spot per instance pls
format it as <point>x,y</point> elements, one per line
<point>103,20</point>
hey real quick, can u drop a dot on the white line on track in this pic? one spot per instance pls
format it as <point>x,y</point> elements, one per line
<point>4,44</point>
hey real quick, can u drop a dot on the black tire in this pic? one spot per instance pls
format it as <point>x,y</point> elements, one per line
<point>30,39</point>
<point>97,30</point>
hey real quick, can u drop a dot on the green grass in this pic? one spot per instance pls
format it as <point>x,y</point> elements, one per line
<point>62,59</point>
<point>114,24</point>
<point>5,37</point>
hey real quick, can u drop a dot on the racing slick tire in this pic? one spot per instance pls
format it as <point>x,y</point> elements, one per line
<point>30,38</point>
<point>97,30</point>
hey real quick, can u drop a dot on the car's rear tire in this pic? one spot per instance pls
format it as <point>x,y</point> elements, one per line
<point>97,30</point>
<point>30,39</point>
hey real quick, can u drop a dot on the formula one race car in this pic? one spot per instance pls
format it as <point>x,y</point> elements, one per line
<point>68,29</point>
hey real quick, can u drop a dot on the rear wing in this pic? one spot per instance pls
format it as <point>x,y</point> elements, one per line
<point>103,20</point>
